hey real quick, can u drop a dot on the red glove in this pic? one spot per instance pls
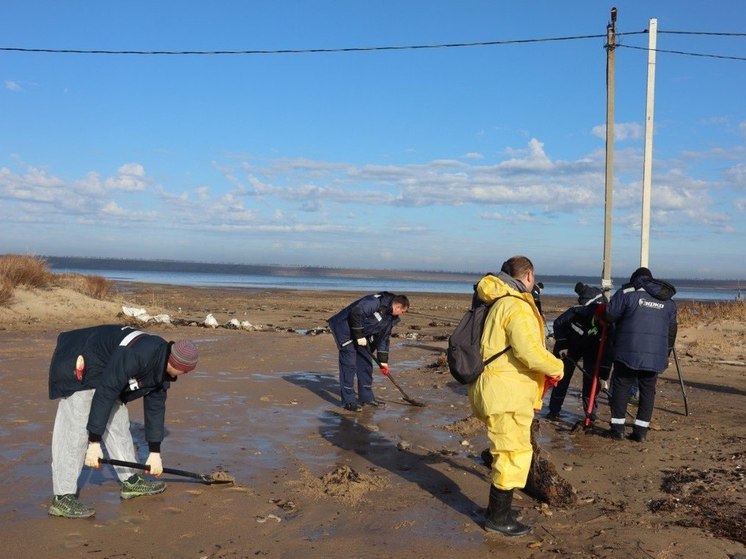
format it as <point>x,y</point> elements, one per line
<point>385,368</point>
<point>550,382</point>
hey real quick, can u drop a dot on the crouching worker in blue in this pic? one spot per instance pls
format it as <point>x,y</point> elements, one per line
<point>645,331</point>
<point>577,337</point>
<point>95,372</point>
<point>359,329</point>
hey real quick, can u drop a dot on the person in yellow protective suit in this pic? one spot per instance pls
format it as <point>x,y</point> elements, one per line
<point>511,387</point>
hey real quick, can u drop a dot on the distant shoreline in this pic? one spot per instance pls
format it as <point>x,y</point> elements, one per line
<point>88,263</point>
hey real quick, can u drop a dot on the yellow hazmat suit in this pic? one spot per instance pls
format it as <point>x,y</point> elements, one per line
<point>506,394</point>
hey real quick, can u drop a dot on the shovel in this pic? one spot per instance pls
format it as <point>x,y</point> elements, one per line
<point>681,380</point>
<point>208,479</point>
<point>604,390</point>
<point>399,388</point>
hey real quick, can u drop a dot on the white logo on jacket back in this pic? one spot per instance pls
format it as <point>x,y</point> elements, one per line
<point>650,304</point>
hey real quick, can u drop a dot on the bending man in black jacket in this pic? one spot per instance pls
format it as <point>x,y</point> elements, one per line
<point>95,372</point>
<point>364,326</point>
<point>577,338</point>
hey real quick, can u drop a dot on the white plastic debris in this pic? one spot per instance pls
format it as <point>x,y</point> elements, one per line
<point>162,319</point>
<point>246,325</point>
<point>234,323</point>
<point>210,321</point>
<point>132,311</point>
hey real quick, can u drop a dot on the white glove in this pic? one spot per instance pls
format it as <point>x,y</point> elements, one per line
<point>154,461</point>
<point>605,385</point>
<point>362,342</point>
<point>93,454</point>
<point>563,354</point>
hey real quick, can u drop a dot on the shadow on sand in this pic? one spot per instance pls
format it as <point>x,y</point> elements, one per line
<point>350,432</point>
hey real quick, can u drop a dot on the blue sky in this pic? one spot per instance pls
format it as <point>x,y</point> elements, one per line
<point>430,159</point>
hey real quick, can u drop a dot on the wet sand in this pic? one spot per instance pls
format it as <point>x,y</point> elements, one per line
<point>313,480</point>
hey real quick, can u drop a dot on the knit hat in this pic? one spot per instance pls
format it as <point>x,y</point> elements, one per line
<point>587,293</point>
<point>183,356</point>
<point>640,272</point>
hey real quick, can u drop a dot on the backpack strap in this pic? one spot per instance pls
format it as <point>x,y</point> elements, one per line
<point>499,353</point>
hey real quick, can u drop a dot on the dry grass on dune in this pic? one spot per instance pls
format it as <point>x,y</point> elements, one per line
<point>33,272</point>
<point>25,271</point>
<point>96,287</point>
<point>692,313</point>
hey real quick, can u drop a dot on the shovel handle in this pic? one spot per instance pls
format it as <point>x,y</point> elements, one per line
<point>145,467</point>
<point>393,380</point>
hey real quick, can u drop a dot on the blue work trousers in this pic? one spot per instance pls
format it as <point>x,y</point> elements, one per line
<point>354,362</point>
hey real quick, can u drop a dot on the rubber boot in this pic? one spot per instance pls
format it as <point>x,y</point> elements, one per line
<point>499,518</point>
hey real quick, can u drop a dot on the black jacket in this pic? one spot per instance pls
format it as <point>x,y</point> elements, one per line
<point>370,318</point>
<point>121,363</point>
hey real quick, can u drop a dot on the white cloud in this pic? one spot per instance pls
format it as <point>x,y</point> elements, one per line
<point>12,85</point>
<point>473,155</point>
<point>742,127</point>
<point>129,177</point>
<point>114,210</point>
<point>622,131</point>
<point>511,217</point>
<point>736,175</point>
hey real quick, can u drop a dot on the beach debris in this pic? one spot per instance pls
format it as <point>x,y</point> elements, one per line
<point>544,483</point>
<point>263,519</point>
<point>403,445</point>
<point>211,321</point>
<point>134,312</point>
<point>141,315</point>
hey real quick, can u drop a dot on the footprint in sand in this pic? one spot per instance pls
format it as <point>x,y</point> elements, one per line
<point>172,510</point>
<point>74,540</point>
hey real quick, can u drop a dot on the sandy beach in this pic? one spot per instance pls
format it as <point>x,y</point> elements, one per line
<point>313,480</point>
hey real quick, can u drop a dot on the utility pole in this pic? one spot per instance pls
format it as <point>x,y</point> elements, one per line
<point>606,283</point>
<point>647,161</point>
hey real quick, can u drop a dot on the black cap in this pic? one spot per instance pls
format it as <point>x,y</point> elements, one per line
<point>639,273</point>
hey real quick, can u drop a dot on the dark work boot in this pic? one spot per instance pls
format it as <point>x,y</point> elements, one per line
<point>498,516</point>
<point>638,434</point>
<point>616,433</point>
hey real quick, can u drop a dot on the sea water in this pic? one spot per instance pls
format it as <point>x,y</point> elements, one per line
<point>697,290</point>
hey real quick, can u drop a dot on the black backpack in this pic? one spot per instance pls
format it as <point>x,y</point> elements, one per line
<point>463,353</point>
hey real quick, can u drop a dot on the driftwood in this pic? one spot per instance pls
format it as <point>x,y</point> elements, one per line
<point>544,482</point>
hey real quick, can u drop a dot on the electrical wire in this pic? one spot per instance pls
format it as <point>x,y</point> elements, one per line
<point>702,55</point>
<point>308,51</point>
<point>711,33</point>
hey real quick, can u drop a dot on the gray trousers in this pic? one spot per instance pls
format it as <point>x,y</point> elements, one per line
<point>70,440</point>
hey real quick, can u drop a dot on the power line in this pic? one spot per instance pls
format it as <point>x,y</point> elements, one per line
<point>713,33</point>
<point>308,51</point>
<point>703,55</point>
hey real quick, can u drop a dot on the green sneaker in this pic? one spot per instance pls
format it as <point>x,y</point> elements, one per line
<point>68,506</point>
<point>139,486</point>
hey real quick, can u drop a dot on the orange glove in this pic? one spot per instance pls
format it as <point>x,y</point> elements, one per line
<point>385,368</point>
